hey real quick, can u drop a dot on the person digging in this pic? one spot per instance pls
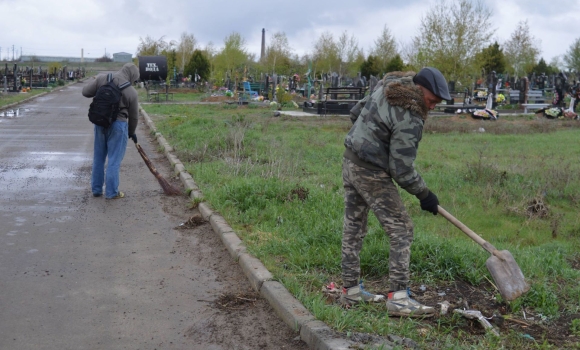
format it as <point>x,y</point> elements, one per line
<point>381,148</point>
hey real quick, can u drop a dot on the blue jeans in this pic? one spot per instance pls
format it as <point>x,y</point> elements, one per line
<point>110,143</point>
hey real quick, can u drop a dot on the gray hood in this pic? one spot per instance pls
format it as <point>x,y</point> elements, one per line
<point>129,73</point>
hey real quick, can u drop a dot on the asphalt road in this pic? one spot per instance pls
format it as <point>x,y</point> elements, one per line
<point>78,272</point>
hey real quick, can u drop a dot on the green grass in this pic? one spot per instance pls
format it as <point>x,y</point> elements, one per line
<point>9,98</point>
<point>278,182</point>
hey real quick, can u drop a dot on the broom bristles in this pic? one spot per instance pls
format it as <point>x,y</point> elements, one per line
<point>168,188</point>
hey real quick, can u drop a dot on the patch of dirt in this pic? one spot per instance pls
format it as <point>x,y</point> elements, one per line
<point>234,316</point>
<point>461,295</point>
<point>218,99</point>
<point>184,90</point>
<point>537,208</point>
<point>194,221</point>
<point>575,263</point>
<point>299,193</point>
<point>231,301</point>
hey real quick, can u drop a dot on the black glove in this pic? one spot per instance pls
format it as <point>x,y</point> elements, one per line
<point>430,203</point>
<point>133,137</point>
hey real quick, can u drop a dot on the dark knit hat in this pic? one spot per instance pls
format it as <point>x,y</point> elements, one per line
<point>432,79</point>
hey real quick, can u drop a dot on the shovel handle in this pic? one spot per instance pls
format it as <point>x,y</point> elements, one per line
<point>482,242</point>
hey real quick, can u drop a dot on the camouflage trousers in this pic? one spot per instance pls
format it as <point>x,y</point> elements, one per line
<point>374,189</point>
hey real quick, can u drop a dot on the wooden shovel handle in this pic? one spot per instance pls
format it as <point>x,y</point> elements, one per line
<point>486,245</point>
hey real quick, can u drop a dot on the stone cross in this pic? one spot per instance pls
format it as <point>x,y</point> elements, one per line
<point>334,79</point>
<point>357,80</point>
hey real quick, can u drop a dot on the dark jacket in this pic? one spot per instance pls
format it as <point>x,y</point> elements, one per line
<point>129,105</point>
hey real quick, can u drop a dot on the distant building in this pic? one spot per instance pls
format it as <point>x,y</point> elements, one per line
<point>122,57</point>
<point>54,59</point>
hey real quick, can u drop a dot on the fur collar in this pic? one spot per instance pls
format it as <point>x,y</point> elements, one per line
<point>401,92</point>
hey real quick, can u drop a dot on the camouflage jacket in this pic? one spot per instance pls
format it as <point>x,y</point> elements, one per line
<point>387,128</point>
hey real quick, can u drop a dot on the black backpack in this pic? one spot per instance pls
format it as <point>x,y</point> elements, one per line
<point>105,106</point>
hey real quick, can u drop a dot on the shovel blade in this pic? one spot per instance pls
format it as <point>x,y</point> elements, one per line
<point>507,275</point>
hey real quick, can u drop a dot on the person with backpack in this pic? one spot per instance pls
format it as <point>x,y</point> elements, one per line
<point>380,151</point>
<point>115,114</point>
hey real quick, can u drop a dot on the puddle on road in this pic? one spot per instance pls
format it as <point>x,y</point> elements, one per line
<point>61,156</point>
<point>13,113</point>
<point>47,173</point>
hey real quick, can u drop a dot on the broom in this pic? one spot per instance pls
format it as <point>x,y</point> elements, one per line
<point>167,187</point>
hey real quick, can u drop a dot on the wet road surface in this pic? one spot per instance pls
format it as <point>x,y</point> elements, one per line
<point>78,272</point>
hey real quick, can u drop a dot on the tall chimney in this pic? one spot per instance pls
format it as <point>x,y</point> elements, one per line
<point>263,53</point>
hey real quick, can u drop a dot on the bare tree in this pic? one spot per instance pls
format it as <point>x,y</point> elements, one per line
<point>348,53</point>
<point>558,63</point>
<point>385,48</point>
<point>278,50</point>
<point>185,49</point>
<point>152,47</point>
<point>521,50</point>
<point>325,55</point>
<point>451,33</point>
<point>410,54</point>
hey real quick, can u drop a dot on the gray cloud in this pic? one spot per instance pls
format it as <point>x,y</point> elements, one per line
<point>63,27</point>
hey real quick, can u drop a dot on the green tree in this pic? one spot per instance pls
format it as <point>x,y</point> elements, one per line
<point>395,64</point>
<point>198,63</point>
<point>370,67</point>
<point>232,58</point>
<point>325,56</point>
<point>451,33</point>
<point>210,52</point>
<point>521,50</point>
<point>572,56</point>
<point>491,58</point>
<point>171,63</point>
<point>543,67</point>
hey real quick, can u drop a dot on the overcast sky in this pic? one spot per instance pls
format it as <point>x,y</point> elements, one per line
<point>64,27</point>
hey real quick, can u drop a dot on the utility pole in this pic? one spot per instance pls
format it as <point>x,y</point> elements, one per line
<point>12,53</point>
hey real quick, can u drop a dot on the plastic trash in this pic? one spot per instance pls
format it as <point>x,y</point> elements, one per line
<point>476,315</point>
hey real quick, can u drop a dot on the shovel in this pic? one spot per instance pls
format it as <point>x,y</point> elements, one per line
<point>504,269</point>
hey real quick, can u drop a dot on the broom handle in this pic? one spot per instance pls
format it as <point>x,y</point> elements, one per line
<point>486,245</point>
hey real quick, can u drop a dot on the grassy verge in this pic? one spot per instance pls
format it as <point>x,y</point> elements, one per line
<point>278,183</point>
<point>9,98</point>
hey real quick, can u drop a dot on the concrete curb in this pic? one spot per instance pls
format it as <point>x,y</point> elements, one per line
<point>315,333</point>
